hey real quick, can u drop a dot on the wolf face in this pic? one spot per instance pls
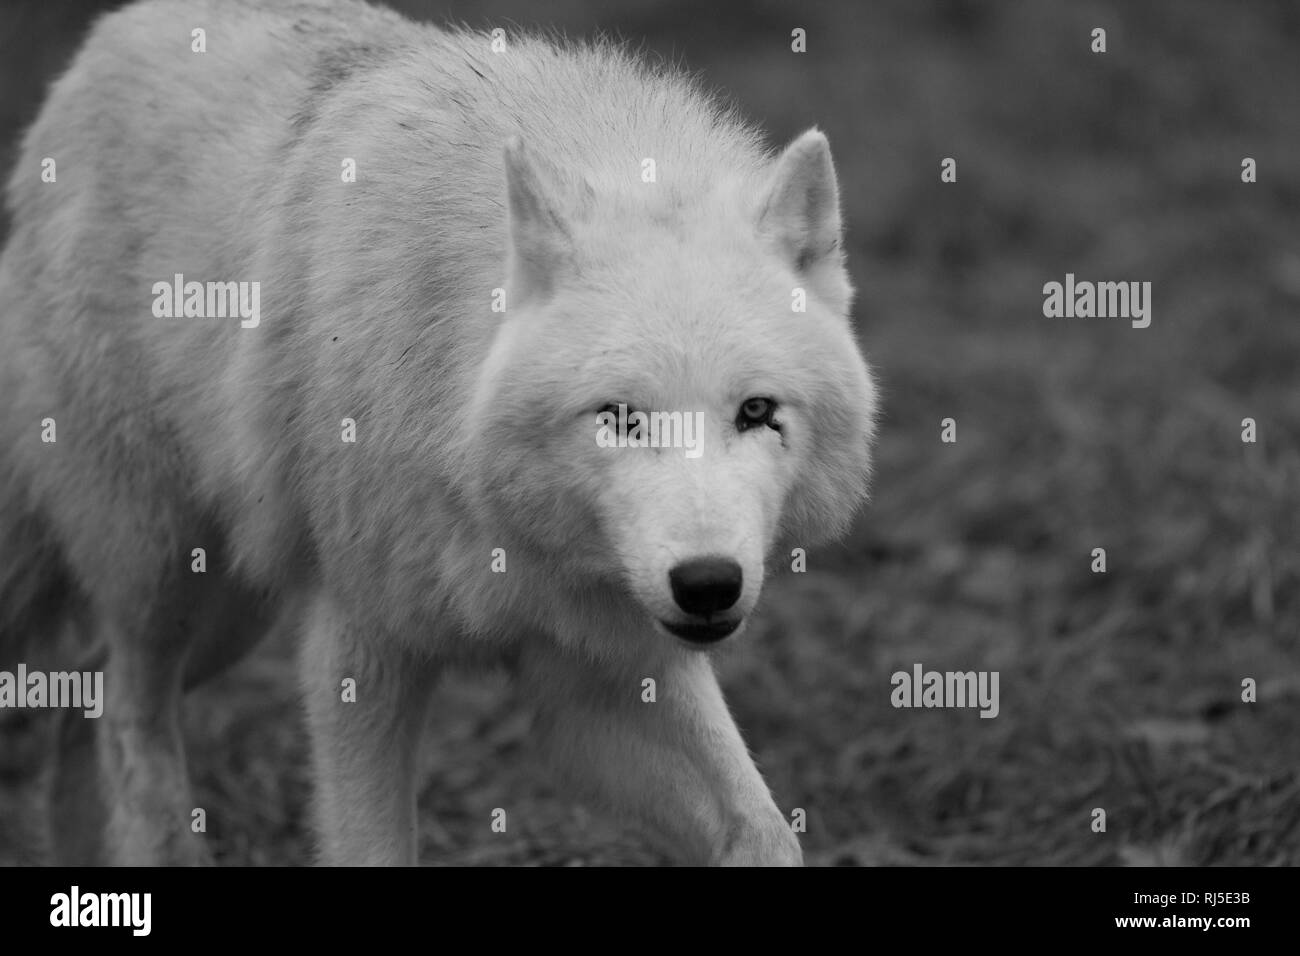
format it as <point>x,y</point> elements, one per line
<point>755,416</point>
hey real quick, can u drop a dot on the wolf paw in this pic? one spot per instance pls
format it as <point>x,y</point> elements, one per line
<point>773,844</point>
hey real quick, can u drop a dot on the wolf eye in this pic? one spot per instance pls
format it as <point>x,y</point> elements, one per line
<point>754,412</point>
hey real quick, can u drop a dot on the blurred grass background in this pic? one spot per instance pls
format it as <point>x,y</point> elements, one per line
<point>1119,691</point>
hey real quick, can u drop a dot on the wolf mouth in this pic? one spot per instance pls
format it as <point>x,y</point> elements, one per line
<point>709,633</point>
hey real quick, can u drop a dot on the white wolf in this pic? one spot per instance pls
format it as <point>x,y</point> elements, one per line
<point>648,252</point>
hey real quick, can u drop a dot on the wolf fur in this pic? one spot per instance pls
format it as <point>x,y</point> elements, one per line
<point>518,170</point>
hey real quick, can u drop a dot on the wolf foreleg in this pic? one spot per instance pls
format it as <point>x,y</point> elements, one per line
<point>364,738</point>
<point>677,765</point>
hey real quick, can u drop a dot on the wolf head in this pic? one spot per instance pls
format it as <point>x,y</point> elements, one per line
<point>675,390</point>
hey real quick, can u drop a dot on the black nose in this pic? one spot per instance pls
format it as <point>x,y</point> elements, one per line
<point>706,585</point>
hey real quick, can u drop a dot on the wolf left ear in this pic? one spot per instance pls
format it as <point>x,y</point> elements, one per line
<point>539,243</point>
<point>801,216</point>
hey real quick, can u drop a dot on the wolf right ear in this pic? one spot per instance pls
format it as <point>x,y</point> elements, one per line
<point>539,243</point>
<point>800,215</point>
